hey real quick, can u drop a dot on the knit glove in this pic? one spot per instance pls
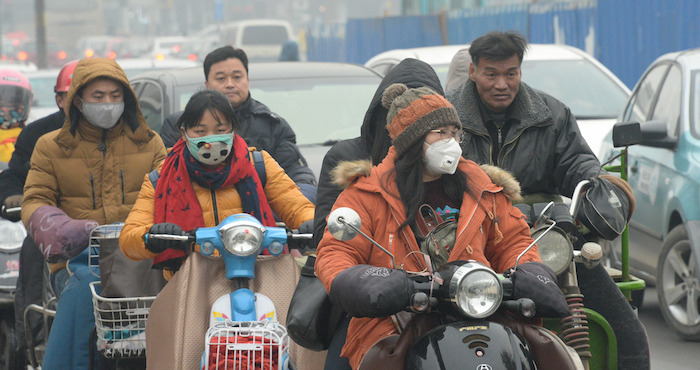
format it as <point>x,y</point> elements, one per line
<point>12,208</point>
<point>157,245</point>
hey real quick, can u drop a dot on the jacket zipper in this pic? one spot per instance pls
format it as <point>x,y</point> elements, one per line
<point>213,202</point>
<point>121,176</point>
<point>92,185</point>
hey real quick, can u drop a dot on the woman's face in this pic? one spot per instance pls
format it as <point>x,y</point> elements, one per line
<point>210,124</point>
<point>441,133</point>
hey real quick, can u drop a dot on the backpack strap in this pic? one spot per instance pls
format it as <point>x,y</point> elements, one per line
<point>259,163</point>
<point>153,176</point>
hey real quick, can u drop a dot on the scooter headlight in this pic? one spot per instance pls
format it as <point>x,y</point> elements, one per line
<point>13,234</point>
<point>556,250</point>
<point>242,238</point>
<point>475,290</point>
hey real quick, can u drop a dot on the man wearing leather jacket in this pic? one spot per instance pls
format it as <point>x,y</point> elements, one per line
<point>226,70</point>
<point>535,137</point>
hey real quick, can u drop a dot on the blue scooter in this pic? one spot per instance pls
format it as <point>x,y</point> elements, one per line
<point>243,328</point>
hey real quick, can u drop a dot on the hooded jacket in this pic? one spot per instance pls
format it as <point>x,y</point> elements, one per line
<point>88,172</point>
<point>543,149</point>
<point>489,230</point>
<point>410,72</point>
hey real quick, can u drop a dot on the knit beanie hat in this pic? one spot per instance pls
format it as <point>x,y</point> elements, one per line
<point>413,113</point>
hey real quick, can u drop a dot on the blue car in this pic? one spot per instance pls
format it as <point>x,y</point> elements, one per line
<point>664,172</point>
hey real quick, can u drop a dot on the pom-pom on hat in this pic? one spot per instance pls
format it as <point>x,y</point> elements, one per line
<point>413,113</point>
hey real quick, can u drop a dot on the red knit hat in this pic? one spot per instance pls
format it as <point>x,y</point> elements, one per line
<point>414,112</point>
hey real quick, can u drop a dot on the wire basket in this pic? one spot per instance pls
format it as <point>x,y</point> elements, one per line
<point>243,345</point>
<point>97,235</point>
<point>120,324</point>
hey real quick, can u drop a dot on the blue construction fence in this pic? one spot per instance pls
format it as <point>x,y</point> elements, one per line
<point>624,35</point>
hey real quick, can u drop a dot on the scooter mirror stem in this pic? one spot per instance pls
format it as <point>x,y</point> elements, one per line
<point>341,220</point>
<point>517,260</point>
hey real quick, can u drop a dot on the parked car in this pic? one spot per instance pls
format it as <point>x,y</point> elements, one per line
<point>664,173</point>
<point>323,102</point>
<point>593,93</point>
<point>44,102</point>
<point>136,66</point>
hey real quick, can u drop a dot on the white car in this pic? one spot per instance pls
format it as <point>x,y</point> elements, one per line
<point>593,93</point>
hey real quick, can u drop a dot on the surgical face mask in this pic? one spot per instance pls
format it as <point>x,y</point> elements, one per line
<point>103,115</point>
<point>442,157</point>
<point>212,149</point>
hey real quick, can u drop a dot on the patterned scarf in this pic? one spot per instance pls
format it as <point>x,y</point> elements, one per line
<point>176,201</point>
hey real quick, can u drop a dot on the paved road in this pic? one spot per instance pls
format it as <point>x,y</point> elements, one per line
<point>668,351</point>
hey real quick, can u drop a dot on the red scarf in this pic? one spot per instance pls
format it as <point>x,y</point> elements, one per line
<point>176,201</point>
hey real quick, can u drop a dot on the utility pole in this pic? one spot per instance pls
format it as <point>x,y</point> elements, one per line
<point>40,21</point>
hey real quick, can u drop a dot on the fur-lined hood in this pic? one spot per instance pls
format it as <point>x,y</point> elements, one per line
<point>347,171</point>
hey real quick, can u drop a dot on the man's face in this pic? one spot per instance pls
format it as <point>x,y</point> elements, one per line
<point>496,81</point>
<point>101,90</point>
<point>230,78</point>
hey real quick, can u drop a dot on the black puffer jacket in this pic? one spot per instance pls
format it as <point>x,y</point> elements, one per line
<point>265,131</point>
<point>12,179</point>
<point>411,72</point>
<point>543,149</point>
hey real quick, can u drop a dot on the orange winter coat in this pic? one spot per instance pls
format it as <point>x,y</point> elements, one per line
<point>490,230</point>
<point>284,196</point>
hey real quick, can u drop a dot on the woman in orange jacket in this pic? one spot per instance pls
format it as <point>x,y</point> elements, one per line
<point>423,166</point>
<point>206,177</point>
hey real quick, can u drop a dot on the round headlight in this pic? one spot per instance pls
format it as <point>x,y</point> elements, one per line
<point>242,238</point>
<point>476,290</point>
<point>556,250</point>
<point>13,234</point>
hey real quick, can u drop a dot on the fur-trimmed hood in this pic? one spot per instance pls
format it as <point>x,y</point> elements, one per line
<point>347,171</point>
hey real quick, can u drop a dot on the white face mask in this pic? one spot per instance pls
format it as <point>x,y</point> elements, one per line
<point>103,115</point>
<point>442,157</point>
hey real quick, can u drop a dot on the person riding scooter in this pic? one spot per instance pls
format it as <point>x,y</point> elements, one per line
<point>207,176</point>
<point>423,166</point>
<point>85,174</point>
<point>15,102</point>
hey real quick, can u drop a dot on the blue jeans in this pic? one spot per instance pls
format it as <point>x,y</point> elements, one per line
<point>68,345</point>
<point>58,281</point>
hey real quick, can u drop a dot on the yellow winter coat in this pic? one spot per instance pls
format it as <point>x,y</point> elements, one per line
<point>8,138</point>
<point>283,195</point>
<point>88,172</point>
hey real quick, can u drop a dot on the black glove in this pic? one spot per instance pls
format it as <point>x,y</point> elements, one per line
<point>537,281</point>
<point>13,204</point>
<point>307,227</point>
<point>370,291</point>
<point>157,245</point>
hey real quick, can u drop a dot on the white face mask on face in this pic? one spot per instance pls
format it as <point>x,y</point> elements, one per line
<point>103,115</point>
<point>442,157</point>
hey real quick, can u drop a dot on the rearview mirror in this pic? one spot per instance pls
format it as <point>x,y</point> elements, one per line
<point>344,223</point>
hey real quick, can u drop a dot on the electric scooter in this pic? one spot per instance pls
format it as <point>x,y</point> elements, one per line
<point>243,327</point>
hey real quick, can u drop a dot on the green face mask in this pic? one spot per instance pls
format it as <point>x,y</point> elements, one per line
<point>210,150</point>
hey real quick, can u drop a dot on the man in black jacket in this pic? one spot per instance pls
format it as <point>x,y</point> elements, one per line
<point>226,70</point>
<point>535,137</point>
<point>31,261</point>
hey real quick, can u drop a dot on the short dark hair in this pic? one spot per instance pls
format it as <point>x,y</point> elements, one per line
<point>497,45</point>
<point>221,54</point>
<point>207,100</point>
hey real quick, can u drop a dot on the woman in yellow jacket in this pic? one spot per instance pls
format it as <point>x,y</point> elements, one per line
<point>206,177</point>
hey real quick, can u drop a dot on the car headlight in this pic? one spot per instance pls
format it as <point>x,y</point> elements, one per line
<point>13,234</point>
<point>556,250</point>
<point>475,290</point>
<point>242,238</point>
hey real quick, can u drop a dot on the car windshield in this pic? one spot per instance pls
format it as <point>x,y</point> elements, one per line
<point>42,87</point>
<point>337,106</point>
<point>585,89</point>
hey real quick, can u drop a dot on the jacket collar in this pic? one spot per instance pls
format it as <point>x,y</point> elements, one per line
<point>527,105</point>
<point>88,132</point>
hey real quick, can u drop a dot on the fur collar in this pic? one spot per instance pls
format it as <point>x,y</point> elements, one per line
<point>347,171</point>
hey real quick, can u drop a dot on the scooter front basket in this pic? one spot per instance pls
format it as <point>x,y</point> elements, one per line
<point>246,345</point>
<point>120,324</point>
